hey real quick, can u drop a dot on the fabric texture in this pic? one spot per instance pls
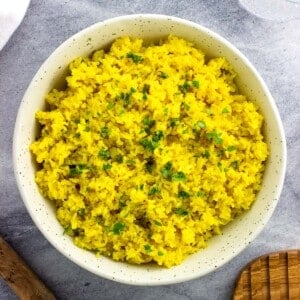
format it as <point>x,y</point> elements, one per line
<point>11,15</point>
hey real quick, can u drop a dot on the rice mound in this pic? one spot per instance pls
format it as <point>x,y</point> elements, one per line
<point>149,150</point>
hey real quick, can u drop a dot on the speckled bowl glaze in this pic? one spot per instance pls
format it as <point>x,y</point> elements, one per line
<point>236,236</point>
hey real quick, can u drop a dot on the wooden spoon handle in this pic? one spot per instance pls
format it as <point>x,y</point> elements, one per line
<point>19,277</point>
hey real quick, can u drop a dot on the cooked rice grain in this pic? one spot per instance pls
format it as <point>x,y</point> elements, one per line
<point>149,151</point>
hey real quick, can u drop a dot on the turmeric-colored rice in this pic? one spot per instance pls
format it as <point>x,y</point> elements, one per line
<point>149,150</point>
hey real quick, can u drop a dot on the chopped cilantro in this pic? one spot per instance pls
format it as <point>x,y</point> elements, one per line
<point>110,105</point>
<point>181,211</point>
<point>157,136</point>
<point>81,212</point>
<point>183,194</point>
<point>87,129</point>
<point>166,170</point>
<point>68,230</point>
<point>135,58</point>
<point>122,200</point>
<point>105,132</point>
<point>201,124</point>
<point>148,144</point>
<point>119,158</point>
<point>76,169</point>
<point>157,223</point>
<point>141,187</point>
<point>196,84</point>
<point>154,190</point>
<point>147,248</point>
<point>231,148</point>
<point>179,176</point>
<point>106,167</point>
<point>104,154</point>
<point>166,110</point>
<point>225,110</point>
<point>122,203</point>
<point>118,227</point>
<point>185,131</point>
<point>185,87</point>
<point>220,166</point>
<point>149,123</point>
<point>163,75</point>
<point>186,106</point>
<point>206,154</point>
<point>200,194</point>
<point>215,137</point>
<point>173,122</point>
<point>235,165</point>
<point>159,253</point>
<point>145,91</point>
<point>130,162</point>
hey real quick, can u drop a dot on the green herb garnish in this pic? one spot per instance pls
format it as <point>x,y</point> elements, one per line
<point>104,154</point>
<point>166,170</point>
<point>181,211</point>
<point>118,227</point>
<point>201,124</point>
<point>105,132</point>
<point>159,253</point>
<point>154,190</point>
<point>157,136</point>
<point>149,123</point>
<point>81,212</point>
<point>200,194</point>
<point>196,84</point>
<point>76,169</point>
<point>185,87</point>
<point>225,110</point>
<point>130,162</point>
<point>163,75</point>
<point>235,165</point>
<point>206,154</point>
<point>219,166</point>
<point>179,176</point>
<point>147,248</point>
<point>148,144</point>
<point>186,106</point>
<point>215,137</point>
<point>119,158</point>
<point>183,194</point>
<point>173,122</point>
<point>135,58</point>
<point>157,223</point>
<point>68,230</point>
<point>231,148</point>
<point>106,167</point>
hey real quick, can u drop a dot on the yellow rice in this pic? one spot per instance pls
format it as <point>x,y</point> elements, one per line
<point>149,150</point>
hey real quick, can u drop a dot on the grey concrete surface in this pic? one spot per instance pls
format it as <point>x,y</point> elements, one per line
<point>273,46</point>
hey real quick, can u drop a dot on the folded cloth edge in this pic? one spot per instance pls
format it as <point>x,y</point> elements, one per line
<point>12,13</point>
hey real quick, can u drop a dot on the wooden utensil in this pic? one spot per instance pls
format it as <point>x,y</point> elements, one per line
<point>19,277</point>
<point>272,276</point>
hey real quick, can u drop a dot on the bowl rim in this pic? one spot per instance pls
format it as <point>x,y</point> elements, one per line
<point>245,61</point>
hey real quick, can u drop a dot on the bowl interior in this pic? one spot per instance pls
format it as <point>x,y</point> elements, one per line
<point>236,236</point>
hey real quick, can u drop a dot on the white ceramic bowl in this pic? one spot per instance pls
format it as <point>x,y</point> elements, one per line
<point>236,236</point>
